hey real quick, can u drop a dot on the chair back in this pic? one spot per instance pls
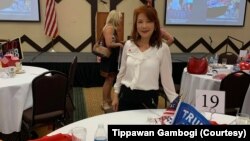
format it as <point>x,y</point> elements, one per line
<point>230,56</point>
<point>72,71</point>
<point>49,94</point>
<point>235,86</point>
<point>71,79</point>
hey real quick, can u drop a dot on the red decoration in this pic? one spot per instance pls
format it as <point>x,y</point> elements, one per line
<point>213,122</point>
<point>9,60</point>
<point>244,65</point>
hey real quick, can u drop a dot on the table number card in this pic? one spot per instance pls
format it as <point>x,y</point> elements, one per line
<point>13,47</point>
<point>210,101</point>
<point>243,53</point>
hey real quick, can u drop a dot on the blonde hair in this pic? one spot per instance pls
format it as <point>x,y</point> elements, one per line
<point>114,18</point>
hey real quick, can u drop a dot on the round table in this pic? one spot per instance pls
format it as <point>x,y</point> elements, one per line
<point>192,82</point>
<point>133,117</point>
<point>16,96</point>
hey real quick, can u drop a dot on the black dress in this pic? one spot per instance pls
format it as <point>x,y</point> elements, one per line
<point>109,66</point>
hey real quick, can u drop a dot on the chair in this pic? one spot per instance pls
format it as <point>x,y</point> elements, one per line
<point>235,86</point>
<point>164,96</point>
<point>231,57</point>
<point>71,78</point>
<point>49,98</point>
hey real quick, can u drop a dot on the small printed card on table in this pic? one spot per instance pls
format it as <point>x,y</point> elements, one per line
<point>210,101</point>
<point>243,53</point>
<point>13,47</point>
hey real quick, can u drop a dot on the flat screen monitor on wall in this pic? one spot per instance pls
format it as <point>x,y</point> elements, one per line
<point>19,10</point>
<point>205,12</point>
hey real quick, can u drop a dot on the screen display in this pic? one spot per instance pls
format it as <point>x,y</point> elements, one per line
<point>19,10</point>
<point>205,12</point>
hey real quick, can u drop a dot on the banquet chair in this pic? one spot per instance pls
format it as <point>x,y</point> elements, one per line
<point>230,56</point>
<point>71,79</point>
<point>49,98</point>
<point>235,86</point>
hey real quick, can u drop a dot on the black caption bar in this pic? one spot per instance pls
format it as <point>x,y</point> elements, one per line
<point>195,132</point>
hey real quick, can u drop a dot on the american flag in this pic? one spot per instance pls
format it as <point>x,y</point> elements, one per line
<point>167,116</point>
<point>51,28</point>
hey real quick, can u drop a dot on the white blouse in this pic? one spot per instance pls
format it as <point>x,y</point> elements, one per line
<point>141,70</point>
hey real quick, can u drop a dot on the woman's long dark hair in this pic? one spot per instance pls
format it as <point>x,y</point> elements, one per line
<point>151,14</point>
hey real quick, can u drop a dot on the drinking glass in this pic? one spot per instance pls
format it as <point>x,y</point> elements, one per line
<point>18,66</point>
<point>242,118</point>
<point>11,71</point>
<point>216,58</point>
<point>78,134</point>
<point>224,61</point>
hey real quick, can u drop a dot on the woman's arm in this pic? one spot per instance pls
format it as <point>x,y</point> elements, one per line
<point>166,73</point>
<point>167,36</point>
<point>108,36</point>
<point>122,71</point>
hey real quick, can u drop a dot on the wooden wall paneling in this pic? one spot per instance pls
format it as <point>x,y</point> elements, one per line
<point>100,22</point>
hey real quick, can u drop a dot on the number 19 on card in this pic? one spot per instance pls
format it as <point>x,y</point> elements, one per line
<point>208,99</point>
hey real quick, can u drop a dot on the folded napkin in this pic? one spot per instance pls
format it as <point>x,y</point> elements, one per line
<point>219,76</point>
<point>57,137</point>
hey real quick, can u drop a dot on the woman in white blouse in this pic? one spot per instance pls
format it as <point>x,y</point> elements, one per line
<point>145,57</point>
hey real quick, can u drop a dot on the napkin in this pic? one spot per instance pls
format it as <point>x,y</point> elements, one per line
<point>220,76</point>
<point>56,137</point>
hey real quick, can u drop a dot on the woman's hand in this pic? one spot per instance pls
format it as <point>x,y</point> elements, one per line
<point>123,42</point>
<point>120,45</point>
<point>115,102</point>
<point>167,36</point>
<point>115,45</point>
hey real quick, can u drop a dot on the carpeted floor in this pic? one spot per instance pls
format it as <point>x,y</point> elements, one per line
<point>80,104</point>
<point>93,97</point>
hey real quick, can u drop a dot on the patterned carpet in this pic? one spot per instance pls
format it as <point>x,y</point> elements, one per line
<point>80,105</point>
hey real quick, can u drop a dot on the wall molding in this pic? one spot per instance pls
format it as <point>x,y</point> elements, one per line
<point>201,41</point>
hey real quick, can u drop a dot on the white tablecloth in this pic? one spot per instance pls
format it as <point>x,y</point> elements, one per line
<point>133,117</point>
<point>16,96</point>
<point>191,82</point>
